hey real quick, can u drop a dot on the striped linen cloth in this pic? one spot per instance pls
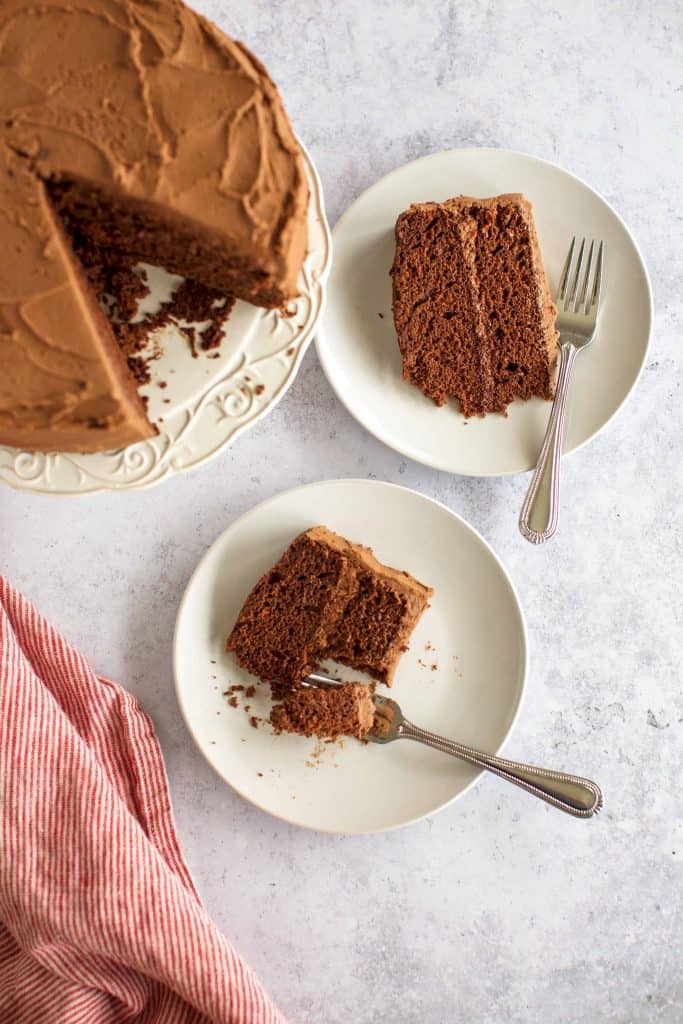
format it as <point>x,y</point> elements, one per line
<point>100,922</point>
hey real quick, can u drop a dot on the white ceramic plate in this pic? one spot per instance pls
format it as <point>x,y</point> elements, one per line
<point>207,402</point>
<point>357,343</point>
<point>473,633</point>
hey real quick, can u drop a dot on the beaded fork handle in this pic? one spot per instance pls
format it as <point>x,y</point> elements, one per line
<point>570,793</point>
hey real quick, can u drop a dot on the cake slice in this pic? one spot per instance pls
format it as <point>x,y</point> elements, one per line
<point>472,309</point>
<point>64,382</point>
<point>327,598</point>
<point>347,710</point>
<point>282,630</point>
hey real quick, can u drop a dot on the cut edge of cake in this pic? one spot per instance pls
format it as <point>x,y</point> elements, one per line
<point>438,263</point>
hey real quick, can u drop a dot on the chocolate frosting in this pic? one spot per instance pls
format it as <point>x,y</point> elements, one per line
<point>148,103</point>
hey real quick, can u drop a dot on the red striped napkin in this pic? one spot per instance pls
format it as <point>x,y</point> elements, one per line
<point>99,919</point>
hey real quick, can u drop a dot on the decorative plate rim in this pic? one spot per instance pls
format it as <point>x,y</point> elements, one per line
<point>149,462</point>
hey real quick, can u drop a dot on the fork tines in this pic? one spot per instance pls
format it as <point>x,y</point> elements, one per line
<point>573,297</point>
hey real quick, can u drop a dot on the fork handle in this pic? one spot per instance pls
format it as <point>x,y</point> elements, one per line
<point>570,793</point>
<point>541,509</point>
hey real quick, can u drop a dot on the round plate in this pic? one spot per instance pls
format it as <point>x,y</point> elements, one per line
<point>357,343</point>
<point>463,675</point>
<point>206,402</point>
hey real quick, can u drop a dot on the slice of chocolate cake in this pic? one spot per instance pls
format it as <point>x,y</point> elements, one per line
<point>473,312</point>
<point>347,710</point>
<point>374,630</point>
<point>282,630</point>
<point>327,598</point>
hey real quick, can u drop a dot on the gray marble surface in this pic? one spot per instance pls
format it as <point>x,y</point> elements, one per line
<point>498,909</point>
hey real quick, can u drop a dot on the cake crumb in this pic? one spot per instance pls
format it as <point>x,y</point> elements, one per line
<point>250,691</point>
<point>138,366</point>
<point>381,727</point>
<point>254,721</point>
<point>381,316</point>
<point>319,748</point>
<point>120,284</point>
<point>259,389</point>
<point>291,351</point>
<point>260,774</point>
<point>233,701</point>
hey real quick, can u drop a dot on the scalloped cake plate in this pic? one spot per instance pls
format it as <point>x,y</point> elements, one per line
<point>357,343</point>
<point>206,402</point>
<point>463,675</point>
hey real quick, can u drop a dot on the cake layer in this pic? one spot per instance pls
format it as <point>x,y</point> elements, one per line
<point>472,308</point>
<point>347,710</point>
<point>157,135</point>
<point>282,630</point>
<point>374,630</point>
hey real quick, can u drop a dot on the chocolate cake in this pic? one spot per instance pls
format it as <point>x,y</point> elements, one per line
<point>159,138</point>
<point>347,710</point>
<point>327,598</point>
<point>472,308</point>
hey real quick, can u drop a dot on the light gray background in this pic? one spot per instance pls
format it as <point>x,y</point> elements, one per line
<point>499,909</point>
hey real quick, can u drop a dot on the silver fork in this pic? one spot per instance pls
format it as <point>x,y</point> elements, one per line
<point>577,304</point>
<point>571,793</point>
